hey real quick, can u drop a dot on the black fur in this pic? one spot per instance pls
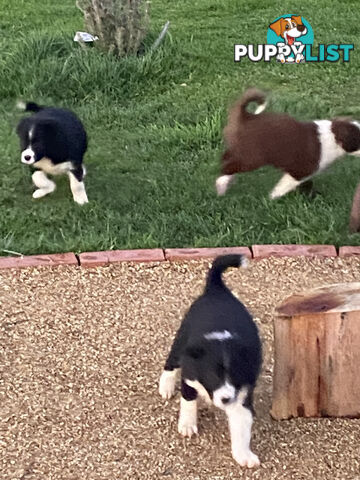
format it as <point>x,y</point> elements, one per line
<point>211,362</point>
<point>58,134</point>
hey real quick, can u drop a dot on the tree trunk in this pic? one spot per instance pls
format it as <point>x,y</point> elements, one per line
<point>317,354</point>
<point>355,212</point>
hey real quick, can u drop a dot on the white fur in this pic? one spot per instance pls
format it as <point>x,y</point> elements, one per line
<point>28,153</point>
<point>187,425</point>
<point>357,152</point>
<point>167,383</point>
<point>200,390</point>
<point>226,392</point>
<point>240,422</point>
<point>78,190</point>
<point>21,105</point>
<point>260,108</point>
<point>47,166</point>
<point>330,150</point>
<point>44,184</point>
<point>286,184</point>
<point>222,184</point>
<point>218,335</point>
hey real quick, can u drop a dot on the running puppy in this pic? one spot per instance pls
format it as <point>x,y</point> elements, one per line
<point>299,149</point>
<point>53,141</point>
<point>218,350</point>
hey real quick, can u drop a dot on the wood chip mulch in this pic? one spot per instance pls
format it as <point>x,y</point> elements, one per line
<point>80,356</point>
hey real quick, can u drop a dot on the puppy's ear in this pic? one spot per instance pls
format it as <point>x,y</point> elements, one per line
<point>195,351</point>
<point>297,19</point>
<point>23,126</point>
<point>276,27</point>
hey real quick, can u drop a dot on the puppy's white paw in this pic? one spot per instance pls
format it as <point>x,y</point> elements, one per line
<point>40,192</point>
<point>246,459</point>
<point>222,184</point>
<point>81,199</point>
<point>187,428</point>
<point>167,384</point>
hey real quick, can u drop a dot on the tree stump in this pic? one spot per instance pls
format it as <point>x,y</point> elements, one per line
<point>317,354</point>
<point>354,224</point>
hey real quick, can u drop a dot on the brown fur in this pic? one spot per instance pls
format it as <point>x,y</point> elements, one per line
<point>346,134</point>
<point>254,141</point>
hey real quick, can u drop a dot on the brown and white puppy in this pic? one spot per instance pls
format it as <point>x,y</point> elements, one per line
<point>299,149</point>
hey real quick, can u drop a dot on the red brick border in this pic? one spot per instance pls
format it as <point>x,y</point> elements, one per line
<point>38,260</point>
<point>348,251</point>
<point>94,259</point>
<point>264,251</point>
<point>174,254</point>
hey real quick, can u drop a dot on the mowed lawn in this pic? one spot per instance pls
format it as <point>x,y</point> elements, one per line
<point>155,123</point>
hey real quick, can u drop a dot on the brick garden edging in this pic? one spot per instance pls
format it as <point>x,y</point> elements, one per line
<point>53,260</point>
<point>95,259</point>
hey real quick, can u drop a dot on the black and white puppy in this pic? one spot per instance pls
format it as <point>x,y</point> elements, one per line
<point>218,350</point>
<point>53,141</point>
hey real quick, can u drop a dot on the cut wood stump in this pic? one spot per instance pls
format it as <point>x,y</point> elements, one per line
<point>317,354</point>
<point>354,225</point>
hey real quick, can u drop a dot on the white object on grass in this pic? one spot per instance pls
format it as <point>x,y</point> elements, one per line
<point>85,37</point>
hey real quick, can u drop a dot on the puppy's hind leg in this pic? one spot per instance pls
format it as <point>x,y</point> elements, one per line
<point>307,188</point>
<point>44,184</point>
<point>187,425</point>
<point>77,185</point>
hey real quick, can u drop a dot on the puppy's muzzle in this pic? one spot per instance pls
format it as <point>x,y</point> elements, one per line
<point>28,157</point>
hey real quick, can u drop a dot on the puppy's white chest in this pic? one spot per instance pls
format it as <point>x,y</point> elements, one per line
<point>46,165</point>
<point>200,390</point>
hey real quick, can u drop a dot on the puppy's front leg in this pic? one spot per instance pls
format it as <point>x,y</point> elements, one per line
<point>44,184</point>
<point>286,184</point>
<point>167,383</point>
<point>240,421</point>
<point>77,185</point>
<point>188,411</point>
<point>172,365</point>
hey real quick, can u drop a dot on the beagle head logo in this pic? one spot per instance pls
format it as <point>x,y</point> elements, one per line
<point>290,33</point>
<point>289,28</point>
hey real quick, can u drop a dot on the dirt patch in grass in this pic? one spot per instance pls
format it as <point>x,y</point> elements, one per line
<point>81,354</point>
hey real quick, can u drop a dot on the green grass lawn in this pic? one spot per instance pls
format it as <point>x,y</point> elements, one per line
<point>155,144</point>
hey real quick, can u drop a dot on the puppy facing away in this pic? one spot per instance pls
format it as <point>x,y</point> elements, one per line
<point>218,350</point>
<point>53,141</point>
<point>299,149</point>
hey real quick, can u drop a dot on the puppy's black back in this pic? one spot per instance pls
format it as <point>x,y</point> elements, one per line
<point>217,340</point>
<point>70,127</point>
<point>59,133</point>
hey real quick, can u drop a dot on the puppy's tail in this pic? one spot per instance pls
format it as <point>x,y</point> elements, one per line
<point>219,265</point>
<point>251,95</point>
<point>29,106</point>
